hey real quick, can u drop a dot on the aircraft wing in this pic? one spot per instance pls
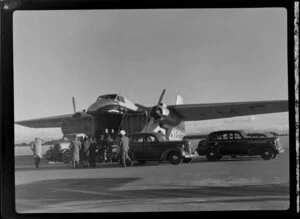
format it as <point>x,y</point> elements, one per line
<point>48,122</point>
<point>193,112</point>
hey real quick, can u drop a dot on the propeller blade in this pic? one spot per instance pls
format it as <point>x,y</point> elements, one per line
<point>161,96</point>
<point>150,126</point>
<point>74,105</point>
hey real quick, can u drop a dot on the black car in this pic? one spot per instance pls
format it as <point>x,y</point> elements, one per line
<point>147,147</point>
<point>236,142</point>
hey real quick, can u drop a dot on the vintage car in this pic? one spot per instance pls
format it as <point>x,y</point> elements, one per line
<point>145,147</point>
<point>236,142</point>
<point>60,152</point>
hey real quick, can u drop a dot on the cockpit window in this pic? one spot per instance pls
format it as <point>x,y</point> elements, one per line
<point>120,98</point>
<point>107,97</point>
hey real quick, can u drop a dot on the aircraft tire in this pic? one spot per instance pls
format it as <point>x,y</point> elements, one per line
<point>187,160</point>
<point>142,162</point>
<point>174,157</point>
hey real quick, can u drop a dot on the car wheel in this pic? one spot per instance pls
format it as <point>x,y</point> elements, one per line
<point>212,155</point>
<point>187,160</point>
<point>66,157</point>
<point>233,156</point>
<point>174,157</point>
<point>49,155</point>
<point>267,154</point>
<point>142,162</point>
<point>220,157</point>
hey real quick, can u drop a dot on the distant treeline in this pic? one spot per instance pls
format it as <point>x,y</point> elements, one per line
<point>51,142</point>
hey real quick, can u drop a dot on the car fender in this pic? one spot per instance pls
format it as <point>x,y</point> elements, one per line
<point>164,155</point>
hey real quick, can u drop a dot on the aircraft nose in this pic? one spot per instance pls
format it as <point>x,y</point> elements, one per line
<point>102,106</point>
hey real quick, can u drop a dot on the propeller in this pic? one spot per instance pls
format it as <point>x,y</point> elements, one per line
<point>152,124</point>
<point>161,97</point>
<point>74,105</point>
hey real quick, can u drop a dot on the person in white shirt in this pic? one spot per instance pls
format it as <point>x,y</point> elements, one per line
<point>36,147</point>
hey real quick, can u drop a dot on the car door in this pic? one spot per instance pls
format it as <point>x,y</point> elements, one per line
<point>229,144</point>
<point>241,143</point>
<point>154,147</point>
<point>137,147</point>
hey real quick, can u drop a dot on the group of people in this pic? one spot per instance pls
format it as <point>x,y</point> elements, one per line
<point>84,151</point>
<point>87,151</point>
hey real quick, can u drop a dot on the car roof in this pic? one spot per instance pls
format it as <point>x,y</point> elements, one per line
<point>233,130</point>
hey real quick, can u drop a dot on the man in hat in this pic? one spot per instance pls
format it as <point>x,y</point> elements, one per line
<point>75,148</point>
<point>36,147</point>
<point>92,150</point>
<point>124,143</point>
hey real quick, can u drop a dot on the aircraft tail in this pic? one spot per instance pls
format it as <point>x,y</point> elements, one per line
<point>181,126</point>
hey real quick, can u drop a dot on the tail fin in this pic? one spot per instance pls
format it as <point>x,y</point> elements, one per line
<point>179,101</point>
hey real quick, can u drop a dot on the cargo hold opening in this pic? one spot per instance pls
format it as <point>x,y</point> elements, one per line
<point>107,121</point>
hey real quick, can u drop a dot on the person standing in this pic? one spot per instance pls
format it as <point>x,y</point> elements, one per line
<point>75,148</point>
<point>109,142</point>
<point>36,147</point>
<point>92,148</point>
<point>86,152</point>
<point>81,151</point>
<point>101,148</point>
<point>124,145</point>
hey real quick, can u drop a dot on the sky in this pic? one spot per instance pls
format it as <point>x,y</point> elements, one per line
<point>204,55</point>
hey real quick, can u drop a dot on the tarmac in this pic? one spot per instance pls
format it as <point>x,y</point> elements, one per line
<point>245,183</point>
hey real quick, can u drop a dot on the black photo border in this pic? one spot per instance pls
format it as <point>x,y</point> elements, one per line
<point>7,190</point>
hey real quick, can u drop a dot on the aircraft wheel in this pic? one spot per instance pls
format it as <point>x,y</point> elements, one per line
<point>142,162</point>
<point>187,160</point>
<point>212,155</point>
<point>67,157</point>
<point>267,154</point>
<point>174,157</point>
<point>49,156</point>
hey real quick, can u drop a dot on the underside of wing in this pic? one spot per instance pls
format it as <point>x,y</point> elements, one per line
<point>194,112</point>
<point>48,122</point>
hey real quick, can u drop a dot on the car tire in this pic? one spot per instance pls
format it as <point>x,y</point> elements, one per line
<point>233,156</point>
<point>212,155</point>
<point>267,154</point>
<point>49,156</point>
<point>66,157</point>
<point>142,162</point>
<point>220,157</point>
<point>187,160</point>
<point>174,157</point>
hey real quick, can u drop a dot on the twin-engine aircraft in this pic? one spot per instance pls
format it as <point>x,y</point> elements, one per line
<point>113,111</point>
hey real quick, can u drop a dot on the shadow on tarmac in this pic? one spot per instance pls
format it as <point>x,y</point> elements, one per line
<point>60,165</point>
<point>102,190</point>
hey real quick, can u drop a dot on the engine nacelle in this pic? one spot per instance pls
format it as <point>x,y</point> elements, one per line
<point>162,116</point>
<point>79,115</point>
<point>158,111</point>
